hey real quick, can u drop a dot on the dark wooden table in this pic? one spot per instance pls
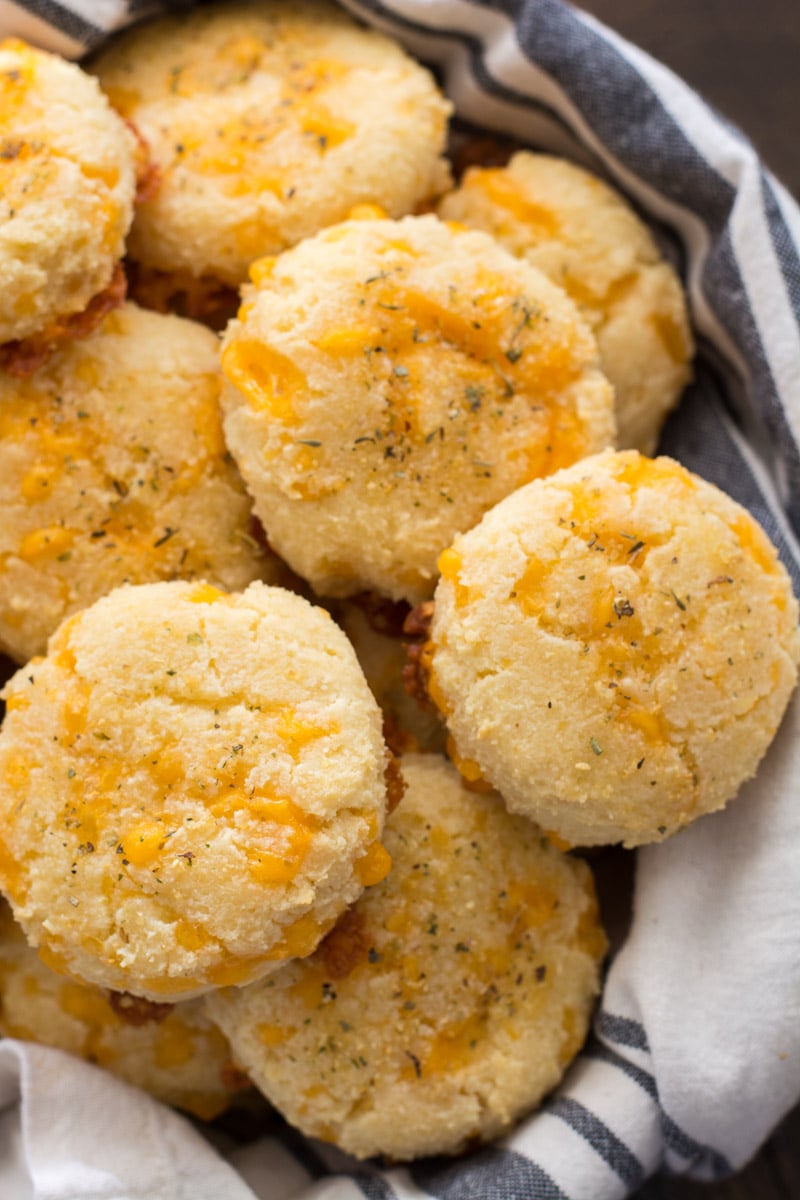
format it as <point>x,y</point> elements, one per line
<point>744,56</point>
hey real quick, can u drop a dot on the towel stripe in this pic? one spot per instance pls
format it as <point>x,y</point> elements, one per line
<point>489,1175</point>
<point>600,1138</point>
<point>621,1030</point>
<point>643,1078</point>
<point>374,1187</point>
<point>65,20</point>
<point>785,248</point>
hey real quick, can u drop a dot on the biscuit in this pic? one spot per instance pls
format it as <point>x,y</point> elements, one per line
<point>67,184</point>
<point>269,122</point>
<point>613,649</point>
<point>113,469</point>
<point>449,999</point>
<point>177,1055</point>
<point>587,239</point>
<point>389,381</point>
<point>191,788</point>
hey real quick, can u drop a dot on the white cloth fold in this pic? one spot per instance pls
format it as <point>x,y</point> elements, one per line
<point>73,1132</point>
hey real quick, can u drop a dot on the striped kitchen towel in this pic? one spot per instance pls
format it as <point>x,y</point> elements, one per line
<point>695,1049</point>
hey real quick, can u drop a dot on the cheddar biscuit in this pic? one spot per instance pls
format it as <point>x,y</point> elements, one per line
<point>268,122</point>
<point>587,239</point>
<point>614,648</point>
<point>174,1053</point>
<point>113,469</point>
<point>191,788</point>
<point>67,184</point>
<point>448,1001</point>
<point>389,381</point>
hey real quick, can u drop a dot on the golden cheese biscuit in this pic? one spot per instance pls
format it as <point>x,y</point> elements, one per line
<point>191,788</point>
<point>113,470</point>
<point>389,381</point>
<point>173,1052</point>
<point>268,122</point>
<point>67,184</point>
<point>614,648</point>
<point>449,999</point>
<point>407,725</point>
<point>587,239</point>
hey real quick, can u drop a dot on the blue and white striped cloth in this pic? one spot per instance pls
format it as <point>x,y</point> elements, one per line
<point>694,1057</point>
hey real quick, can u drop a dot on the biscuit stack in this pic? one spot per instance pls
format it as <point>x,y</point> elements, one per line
<point>210,551</point>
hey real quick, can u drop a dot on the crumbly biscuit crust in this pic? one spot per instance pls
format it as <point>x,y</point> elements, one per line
<point>388,382</point>
<point>191,786</point>
<point>613,649</point>
<point>447,1001</point>
<point>269,122</point>
<point>113,469</point>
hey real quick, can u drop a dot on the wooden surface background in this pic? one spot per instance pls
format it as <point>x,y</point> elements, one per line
<point>743,56</point>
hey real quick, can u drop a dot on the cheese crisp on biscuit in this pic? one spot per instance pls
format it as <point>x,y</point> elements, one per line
<point>191,788</point>
<point>613,648</point>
